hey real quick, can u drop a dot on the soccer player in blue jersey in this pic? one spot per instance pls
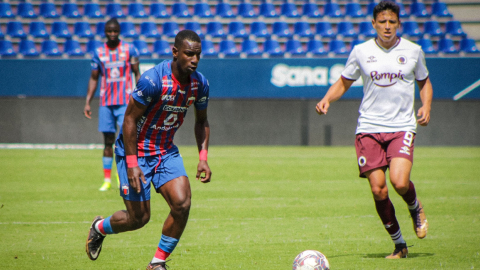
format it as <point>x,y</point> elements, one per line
<point>146,155</point>
<point>114,62</point>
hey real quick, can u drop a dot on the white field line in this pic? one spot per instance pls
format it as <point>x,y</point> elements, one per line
<point>49,146</point>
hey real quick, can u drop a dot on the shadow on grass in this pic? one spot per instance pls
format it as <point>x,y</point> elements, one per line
<point>410,255</point>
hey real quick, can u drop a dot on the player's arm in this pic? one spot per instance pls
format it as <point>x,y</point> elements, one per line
<point>92,88</point>
<point>202,135</point>
<point>334,93</point>
<point>135,63</point>
<point>133,113</point>
<point>426,95</point>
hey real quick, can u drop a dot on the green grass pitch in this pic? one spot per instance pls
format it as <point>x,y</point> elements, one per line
<point>263,207</point>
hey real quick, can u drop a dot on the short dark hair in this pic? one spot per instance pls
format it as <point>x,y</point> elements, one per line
<point>186,35</point>
<point>386,5</point>
<point>112,21</point>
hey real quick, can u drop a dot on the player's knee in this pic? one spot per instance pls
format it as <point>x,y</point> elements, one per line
<point>139,222</point>
<point>182,208</point>
<point>379,193</point>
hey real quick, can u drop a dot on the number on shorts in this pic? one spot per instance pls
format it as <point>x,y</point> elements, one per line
<point>408,139</point>
<point>170,120</point>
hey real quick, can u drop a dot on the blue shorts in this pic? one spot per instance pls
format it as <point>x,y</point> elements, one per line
<point>157,172</point>
<point>109,117</point>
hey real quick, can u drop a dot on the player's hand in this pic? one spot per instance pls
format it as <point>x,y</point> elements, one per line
<point>204,169</point>
<point>87,111</point>
<point>135,175</point>
<point>322,107</point>
<point>423,116</point>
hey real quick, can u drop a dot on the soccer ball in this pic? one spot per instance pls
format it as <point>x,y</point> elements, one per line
<point>311,260</point>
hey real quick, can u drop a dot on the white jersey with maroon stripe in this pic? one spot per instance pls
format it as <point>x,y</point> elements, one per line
<point>388,84</point>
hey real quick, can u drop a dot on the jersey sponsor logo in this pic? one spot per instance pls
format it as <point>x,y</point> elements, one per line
<point>168,97</point>
<point>401,59</point>
<point>405,150</point>
<point>115,64</point>
<point>150,80</point>
<point>121,79</point>
<point>114,73</point>
<point>371,59</point>
<point>169,108</point>
<point>164,128</point>
<point>167,83</point>
<point>386,79</point>
<point>194,86</point>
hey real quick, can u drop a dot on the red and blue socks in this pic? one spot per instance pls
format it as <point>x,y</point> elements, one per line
<point>107,168</point>
<point>165,248</point>
<point>104,227</point>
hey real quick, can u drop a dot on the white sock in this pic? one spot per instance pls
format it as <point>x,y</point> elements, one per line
<point>414,206</point>
<point>156,260</point>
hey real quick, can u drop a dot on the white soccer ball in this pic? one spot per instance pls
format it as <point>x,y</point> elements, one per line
<point>311,260</point>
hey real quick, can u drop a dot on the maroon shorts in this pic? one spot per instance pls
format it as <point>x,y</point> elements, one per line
<point>376,150</point>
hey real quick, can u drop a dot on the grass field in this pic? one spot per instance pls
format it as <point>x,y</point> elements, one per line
<point>263,207</point>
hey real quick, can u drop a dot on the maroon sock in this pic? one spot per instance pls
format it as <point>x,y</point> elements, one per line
<point>386,211</point>
<point>410,197</point>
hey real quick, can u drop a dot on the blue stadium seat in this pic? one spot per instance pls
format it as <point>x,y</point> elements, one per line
<point>224,10</point>
<point>403,12</point>
<point>180,10</point>
<point>316,47</point>
<point>6,48</point>
<point>149,30</point>
<point>337,46</point>
<point>324,29</point>
<point>136,10</point>
<point>346,29</point>
<point>440,9</point>
<point>294,47</point>
<point>267,10</point>
<point>72,48</point>
<point>127,30</point>
<point>370,7</point>
<point>366,29</point>
<point>427,46</point>
<point>432,28</point>
<point>281,29</point>
<point>15,29</point>
<point>419,10</point>
<point>411,29</point>
<point>83,30</point>
<point>162,48</point>
<point>228,48</point>
<point>70,10</point>
<point>272,48</point>
<point>48,10</point>
<point>195,27</point>
<point>311,10</point>
<point>142,47</point>
<point>27,48</point>
<point>60,29</point>
<point>215,29</point>
<point>50,48</point>
<point>38,29</point>
<point>237,29</point>
<point>259,29</point>
<point>246,10</point>
<point>447,46</point>
<point>170,29</point>
<point>468,45</point>
<point>92,10</point>
<point>355,42</point>
<point>202,10</point>
<point>250,48</point>
<point>92,44</point>
<point>6,10</point>
<point>2,36</point>
<point>159,10</point>
<point>289,10</point>
<point>454,28</point>
<point>354,10</point>
<point>100,29</point>
<point>208,48</point>
<point>115,10</point>
<point>302,29</point>
<point>333,10</point>
<point>26,10</point>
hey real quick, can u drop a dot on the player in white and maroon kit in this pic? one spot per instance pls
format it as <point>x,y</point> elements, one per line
<point>389,66</point>
<point>146,154</point>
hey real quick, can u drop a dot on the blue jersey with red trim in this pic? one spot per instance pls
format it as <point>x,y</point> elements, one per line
<point>167,103</point>
<point>116,72</point>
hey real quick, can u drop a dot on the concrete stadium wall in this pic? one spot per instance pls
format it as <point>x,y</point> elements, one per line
<point>235,122</point>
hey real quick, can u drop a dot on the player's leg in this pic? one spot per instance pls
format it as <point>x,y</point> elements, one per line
<point>400,154</point>
<point>135,217</point>
<point>107,160</point>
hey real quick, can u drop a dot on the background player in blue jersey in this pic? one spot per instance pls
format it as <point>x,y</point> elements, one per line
<point>114,61</point>
<point>146,155</point>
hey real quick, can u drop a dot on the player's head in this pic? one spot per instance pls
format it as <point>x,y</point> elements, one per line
<point>112,30</point>
<point>187,50</point>
<point>386,21</point>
